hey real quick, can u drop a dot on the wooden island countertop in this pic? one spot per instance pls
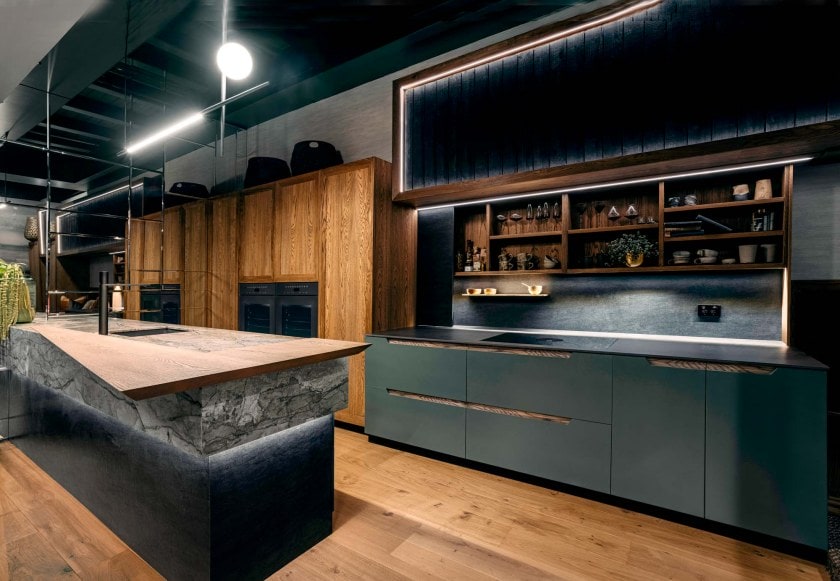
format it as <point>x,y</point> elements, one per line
<point>142,367</point>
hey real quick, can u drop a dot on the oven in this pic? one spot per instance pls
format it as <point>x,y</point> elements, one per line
<point>296,309</point>
<point>256,307</point>
<point>280,308</point>
<point>160,303</point>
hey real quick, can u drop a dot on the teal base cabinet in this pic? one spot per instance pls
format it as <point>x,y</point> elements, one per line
<point>418,371</point>
<point>766,464</point>
<point>658,434</point>
<point>577,453</point>
<point>577,388</point>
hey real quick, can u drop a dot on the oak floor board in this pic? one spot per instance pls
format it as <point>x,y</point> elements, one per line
<point>31,557</point>
<point>403,517</point>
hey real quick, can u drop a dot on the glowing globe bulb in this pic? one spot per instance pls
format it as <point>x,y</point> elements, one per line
<point>234,60</point>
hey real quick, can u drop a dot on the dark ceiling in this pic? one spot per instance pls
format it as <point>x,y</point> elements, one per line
<point>132,64</point>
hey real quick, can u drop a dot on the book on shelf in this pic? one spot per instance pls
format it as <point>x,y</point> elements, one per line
<point>710,222</point>
<point>676,233</point>
<point>684,224</point>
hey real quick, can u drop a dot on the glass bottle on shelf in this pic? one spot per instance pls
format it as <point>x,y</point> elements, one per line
<point>469,259</point>
<point>476,265</point>
<point>459,261</point>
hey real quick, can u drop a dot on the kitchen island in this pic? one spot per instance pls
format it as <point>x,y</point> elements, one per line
<point>209,452</point>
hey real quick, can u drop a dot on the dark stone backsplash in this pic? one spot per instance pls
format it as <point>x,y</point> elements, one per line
<point>652,304</point>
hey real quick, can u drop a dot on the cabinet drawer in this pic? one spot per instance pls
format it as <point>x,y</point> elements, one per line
<point>427,425</point>
<point>578,387</point>
<point>576,453</point>
<point>424,370</point>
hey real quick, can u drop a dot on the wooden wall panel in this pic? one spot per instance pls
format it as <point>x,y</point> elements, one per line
<point>222,259</point>
<point>195,299</point>
<point>256,235</point>
<point>619,89</point>
<point>297,226</point>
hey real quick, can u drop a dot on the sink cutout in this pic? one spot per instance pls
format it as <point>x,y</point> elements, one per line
<point>146,332</point>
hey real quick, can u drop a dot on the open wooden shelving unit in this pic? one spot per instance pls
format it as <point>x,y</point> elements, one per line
<point>580,232</point>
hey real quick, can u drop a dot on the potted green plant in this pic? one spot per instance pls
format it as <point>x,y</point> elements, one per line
<point>630,249</point>
<point>15,306</point>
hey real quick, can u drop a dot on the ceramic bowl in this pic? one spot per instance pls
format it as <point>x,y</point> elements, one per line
<point>490,291</point>
<point>706,260</point>
<point>681,254</point>
<point>535,289</point>
<point>741,197</point>
<point>473,291</point>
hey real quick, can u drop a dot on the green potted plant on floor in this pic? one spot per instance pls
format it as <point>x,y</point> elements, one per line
<point>15,306</point>
<point>630,249</point>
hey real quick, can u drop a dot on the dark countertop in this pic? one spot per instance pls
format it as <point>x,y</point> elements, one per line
<point>771,353</point>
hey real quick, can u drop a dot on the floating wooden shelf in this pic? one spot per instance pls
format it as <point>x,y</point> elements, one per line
<point>519,235</point>
<point>623,228</point>
<point>723,236</point>
<point>509,272</point>
<point>721,205</point>
<point>503,295</point>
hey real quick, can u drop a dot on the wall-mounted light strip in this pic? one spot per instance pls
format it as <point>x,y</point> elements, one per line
<point>644,5</point>
<point>620,183</point>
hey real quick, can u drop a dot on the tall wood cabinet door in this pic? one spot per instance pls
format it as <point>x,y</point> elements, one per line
<point>297,227</point>
<point>173,246</point>
<point>134,234</point>
<point>256,238</point>
<point>347,288</point>
<point>658,434</point>
<point>222,262</point>
<point>766,453</point>
<point>195,291</point>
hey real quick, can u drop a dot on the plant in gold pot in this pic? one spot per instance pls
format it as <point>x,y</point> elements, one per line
<point>15,306</point>
<point>630,249</point>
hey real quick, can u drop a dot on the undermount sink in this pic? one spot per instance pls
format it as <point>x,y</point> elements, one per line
<point>544,340</point>
<point>146,332</point>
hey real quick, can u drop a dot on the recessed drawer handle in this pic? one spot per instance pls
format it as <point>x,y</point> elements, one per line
<point>529,352</point>
<point>433,344</point>
<point>710,366</point>
<point>480,407</point>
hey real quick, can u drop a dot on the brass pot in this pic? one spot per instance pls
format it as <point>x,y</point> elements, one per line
<point>634,260</point>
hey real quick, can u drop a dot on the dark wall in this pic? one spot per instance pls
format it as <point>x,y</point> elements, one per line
<point>435,265</point>
<point>680,73</point>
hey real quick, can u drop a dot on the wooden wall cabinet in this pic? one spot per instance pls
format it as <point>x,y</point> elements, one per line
<point>155,253</point>
<point>368,263</point>
<point>297,228</point>
<point>256,235</point>
<point>338,227</point>
<point>194,299</point>
<point>223,263</point>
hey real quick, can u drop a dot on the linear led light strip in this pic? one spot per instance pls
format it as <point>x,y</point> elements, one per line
<point>187,121</point>
<point>502,54</point>
<point>623,182</point>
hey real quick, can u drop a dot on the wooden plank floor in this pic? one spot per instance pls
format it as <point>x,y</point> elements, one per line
<point>402,516</point>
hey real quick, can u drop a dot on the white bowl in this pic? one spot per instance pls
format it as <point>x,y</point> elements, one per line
<point>681,254</point>
<point>535,289</point>
<point>489,291</point>
<point>473,291</point>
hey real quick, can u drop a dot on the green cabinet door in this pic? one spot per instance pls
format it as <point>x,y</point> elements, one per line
<point>400,379</point>
<point>579,386</point>
<point>766,465</point>
<point>577,453</point>
<point>658,434</point>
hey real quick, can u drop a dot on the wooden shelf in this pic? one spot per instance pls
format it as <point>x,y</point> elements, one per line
<point>505,295</point>
<point>722,205</point>
<point>614,229</point>
<point>509,272</point>
<point>520,235</point>
<point>724,236</point>
<point>680,268</point>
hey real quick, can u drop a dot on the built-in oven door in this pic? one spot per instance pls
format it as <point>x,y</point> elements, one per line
<point>256,307</point>
<point>297,309</point>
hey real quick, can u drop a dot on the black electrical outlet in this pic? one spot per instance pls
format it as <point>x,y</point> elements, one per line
<point>708,311</point>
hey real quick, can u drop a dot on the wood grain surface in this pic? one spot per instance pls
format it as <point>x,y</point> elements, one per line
<point>400,516</point>
<point>194,293</point>
<point>141,370</point>
<point>297,228</point>
<point>222,263</point>
<point>256,236</point>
